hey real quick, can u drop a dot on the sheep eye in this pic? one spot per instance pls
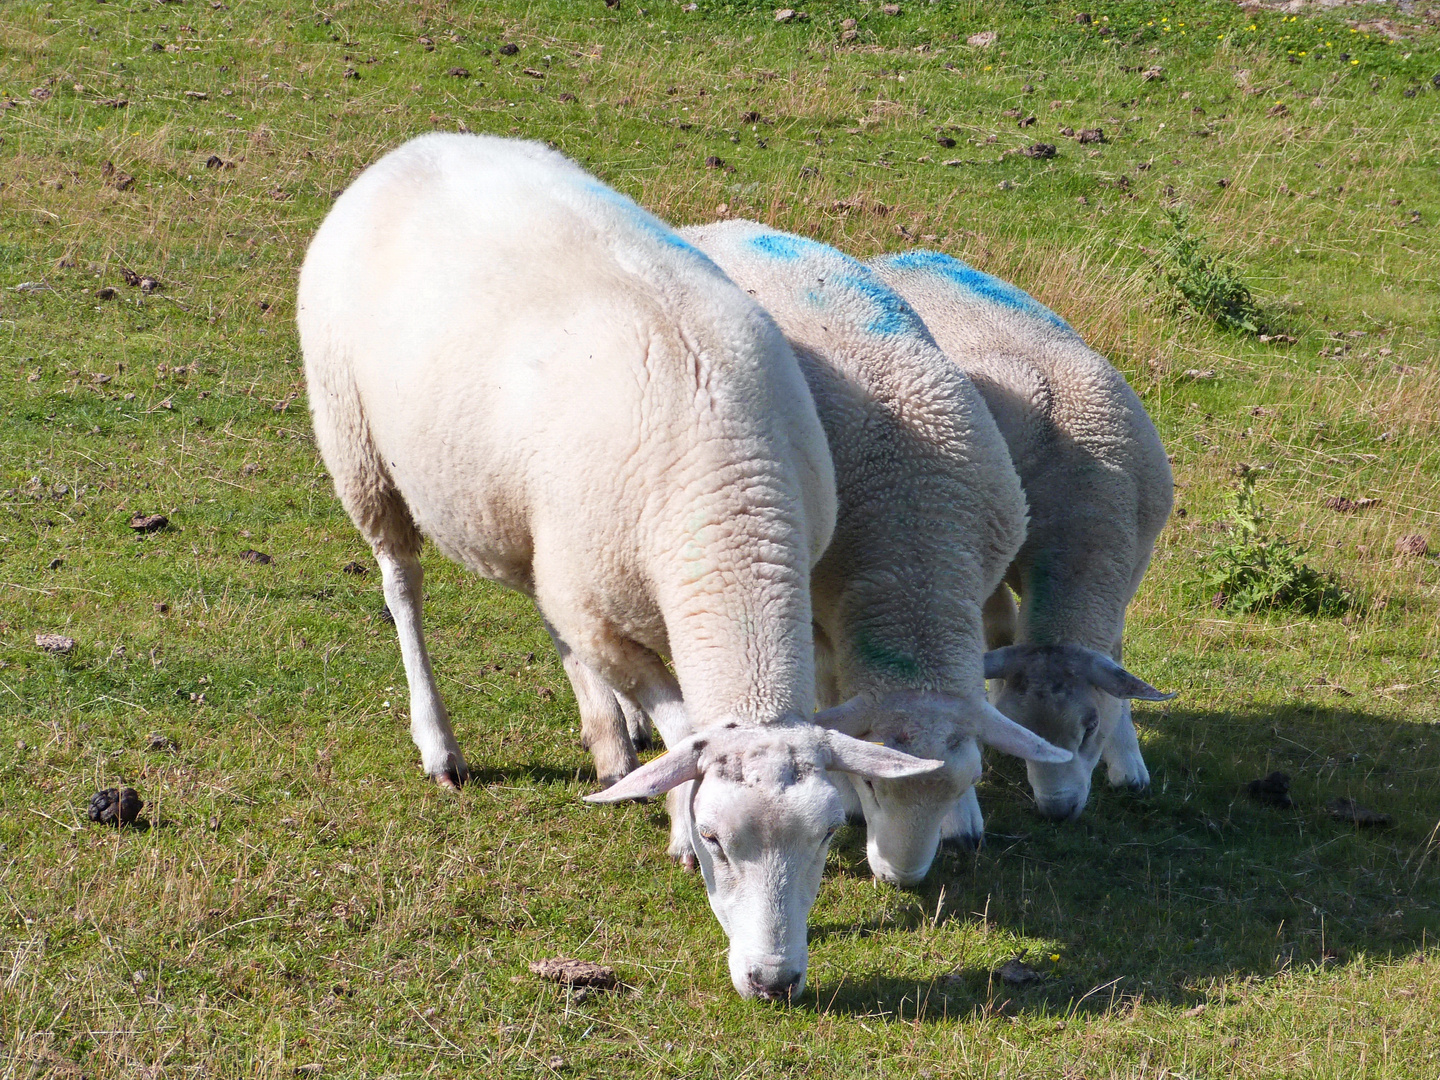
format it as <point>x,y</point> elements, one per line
<point>1092,721</point>
<point>711,838</point>
<point>830,833</point>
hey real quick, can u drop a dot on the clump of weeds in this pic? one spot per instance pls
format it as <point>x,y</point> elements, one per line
<point>1202,282</point>
<point>1260,570</point>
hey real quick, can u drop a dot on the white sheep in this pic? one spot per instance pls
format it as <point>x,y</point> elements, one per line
<point>511,359</point>
<point>930,515</point>
<point>1099,488</point>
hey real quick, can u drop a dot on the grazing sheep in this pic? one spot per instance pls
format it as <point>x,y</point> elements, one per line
<point>1099,488</point>
<point>930,515</point>
<point>508,357</point>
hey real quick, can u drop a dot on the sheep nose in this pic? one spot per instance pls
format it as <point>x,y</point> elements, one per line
<point>1060,808</point>
<point>779,986</point>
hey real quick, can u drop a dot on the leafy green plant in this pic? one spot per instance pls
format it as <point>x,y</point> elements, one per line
<point>1202,281</point>
<point>1261,571</point>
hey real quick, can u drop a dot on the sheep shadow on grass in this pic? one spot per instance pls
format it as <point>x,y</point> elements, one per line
<point>1160,894</point>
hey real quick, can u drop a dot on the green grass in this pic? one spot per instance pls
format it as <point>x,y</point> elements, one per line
<point>303,898</point>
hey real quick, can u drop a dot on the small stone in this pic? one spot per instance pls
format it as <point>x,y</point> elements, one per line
<point>56,644</point>
<point>259,558</point>
<point>148,523</point>
<point>786,15</point>
<point>575,973</point>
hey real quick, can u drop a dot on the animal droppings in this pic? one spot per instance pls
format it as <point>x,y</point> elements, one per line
<point>259,558</point>
<point>115,806</point>
<point>161,743</point>
<point>56,644</point>
<point>1041,150</point>
<point>1091,135</point>
<point>353,567</point>
<point>1413,545</point>
<point>982,40</point>
<point>509,49</point>
<point>1272,790</point>
<point>1015,972</point>
<point>568,972</point>
<point>1341,505</point>
<point>148,523</point>
<point>1346,809</point>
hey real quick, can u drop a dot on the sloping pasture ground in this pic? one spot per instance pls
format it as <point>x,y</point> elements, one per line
<point>303,904</point>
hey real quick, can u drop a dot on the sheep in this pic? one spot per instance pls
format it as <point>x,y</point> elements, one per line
<point>1100,490</point>
<point>511,359</point>
<point>930,515</point>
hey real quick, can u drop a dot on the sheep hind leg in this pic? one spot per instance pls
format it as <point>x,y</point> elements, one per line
<point>603,729</point>
<point>403,577</point>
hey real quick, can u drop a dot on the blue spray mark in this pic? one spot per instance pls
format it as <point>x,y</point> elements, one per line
<point>643,219</point>
<point>780,245</point>
<point>962,276</point>
<point>892,315</point>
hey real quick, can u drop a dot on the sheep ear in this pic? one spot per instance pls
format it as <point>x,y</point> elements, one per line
<point>1107,675</point>
<point>849,717</point>
<point>874,760</point>
<point>656,777</point>
<point>999,731</point>
<point>1004,662</point>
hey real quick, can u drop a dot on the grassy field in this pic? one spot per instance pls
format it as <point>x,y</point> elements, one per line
<point>302,903</point>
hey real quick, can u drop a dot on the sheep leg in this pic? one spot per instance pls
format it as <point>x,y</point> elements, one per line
<point>658,695</point>
<point>1000,617</point>
<point>602,723</point>
<point>637,724</point>
<point>964,825</point>
<point>429,722</point>
<point>1124,765</point>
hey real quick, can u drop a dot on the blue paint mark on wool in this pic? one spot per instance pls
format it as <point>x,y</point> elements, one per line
<point>644,220</point>
<point>780,245</point>
<point>892,315</point>
<point>976,282</point>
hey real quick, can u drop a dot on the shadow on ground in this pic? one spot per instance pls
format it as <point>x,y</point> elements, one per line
<point>1158,894</point>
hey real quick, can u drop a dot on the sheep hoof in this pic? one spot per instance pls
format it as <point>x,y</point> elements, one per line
<point>454,776</point>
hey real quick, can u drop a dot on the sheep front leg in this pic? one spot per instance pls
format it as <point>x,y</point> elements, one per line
<point>964,825</point>
<point>1124,764</point>
<point>429,722</point>
<point>603,728</point>
<point>658,695</point>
